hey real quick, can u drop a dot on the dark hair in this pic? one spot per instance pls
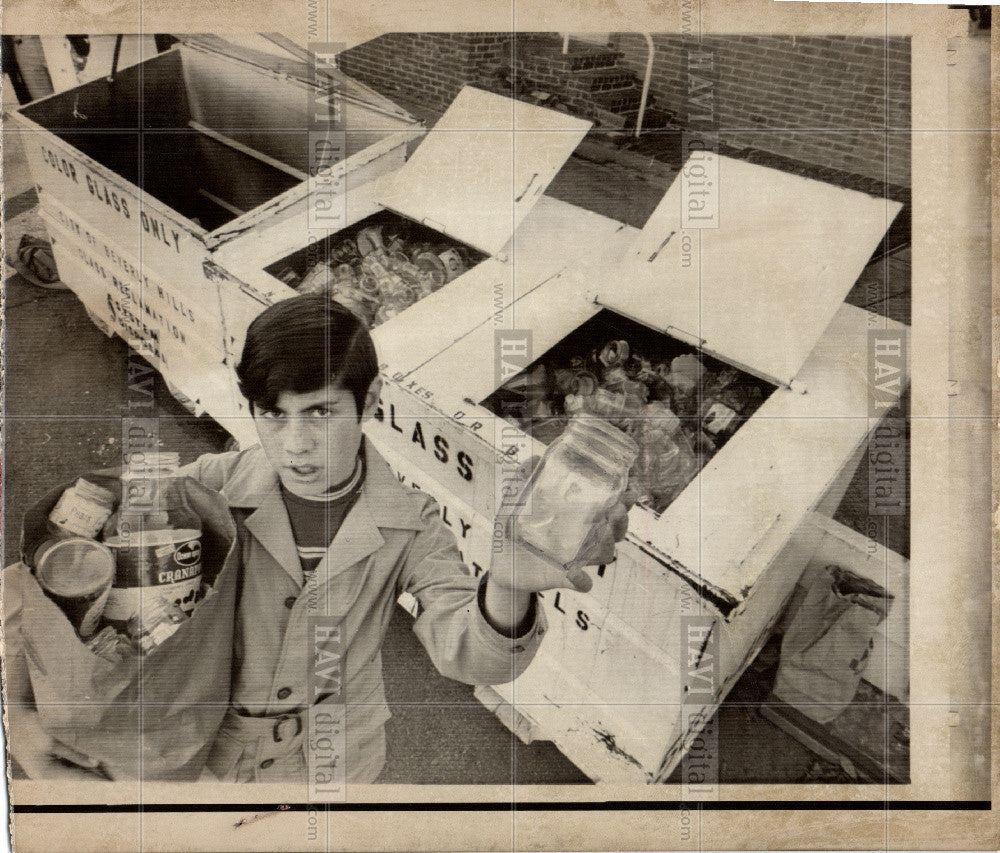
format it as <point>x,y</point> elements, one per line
<point>300,345</point>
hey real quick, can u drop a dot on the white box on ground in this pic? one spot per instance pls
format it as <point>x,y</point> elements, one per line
<point>610,684</point>
<point>149,235</point>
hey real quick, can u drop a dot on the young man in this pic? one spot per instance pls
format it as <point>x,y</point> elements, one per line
<point>331,538</point>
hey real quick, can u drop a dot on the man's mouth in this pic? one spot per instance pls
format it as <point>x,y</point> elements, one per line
<point>303,470</point>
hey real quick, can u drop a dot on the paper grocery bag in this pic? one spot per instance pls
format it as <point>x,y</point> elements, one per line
<point>150,717</point>
<point>827,641</point>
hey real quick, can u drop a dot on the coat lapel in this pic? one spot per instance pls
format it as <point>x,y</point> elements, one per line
<point>383,504</point>
<point>357,537</point>
<point>254,486</point>
<point>270,526</point>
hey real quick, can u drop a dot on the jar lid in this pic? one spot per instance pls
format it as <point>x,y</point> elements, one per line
<point>94,492</point>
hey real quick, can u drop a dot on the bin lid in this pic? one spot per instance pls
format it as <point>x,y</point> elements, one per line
<point>751,263</point>
<point>482,167</point>
<point>278,55</point>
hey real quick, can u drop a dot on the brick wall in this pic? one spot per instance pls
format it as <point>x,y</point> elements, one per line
<point>824,100</point>
<point>429,68</point>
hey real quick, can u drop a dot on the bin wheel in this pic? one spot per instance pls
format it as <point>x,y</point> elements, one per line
<point>34,260</point>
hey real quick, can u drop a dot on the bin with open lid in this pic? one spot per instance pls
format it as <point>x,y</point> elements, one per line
<point>148,180</point>
<point>757,303</point>
<point>466,213</point>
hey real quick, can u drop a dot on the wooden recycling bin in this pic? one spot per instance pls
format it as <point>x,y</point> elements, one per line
<point>629,673</point>
<point>153,182</point>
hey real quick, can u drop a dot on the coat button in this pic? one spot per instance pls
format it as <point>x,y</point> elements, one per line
<point>285,692</point>
<point>290,602</point>
<point>267,762</point>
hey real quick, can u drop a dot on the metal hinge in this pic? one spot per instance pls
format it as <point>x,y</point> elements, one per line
<point>685,337</point>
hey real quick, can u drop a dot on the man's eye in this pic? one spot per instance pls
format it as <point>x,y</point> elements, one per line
<point>268,414</point>
<point>321,412</point>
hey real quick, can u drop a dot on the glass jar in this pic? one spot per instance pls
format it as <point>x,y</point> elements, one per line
<point>617,407</point>
<point>581,476</point>
<point>156,539</point>
<point>316,280</point>
<point>81,510</point>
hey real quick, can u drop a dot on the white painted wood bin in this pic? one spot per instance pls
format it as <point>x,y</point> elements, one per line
<point>618,684</point>
<point>151,236</point>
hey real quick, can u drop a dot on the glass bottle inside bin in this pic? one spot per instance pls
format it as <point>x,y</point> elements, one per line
<point>581,476</point>
<point>615,406</point>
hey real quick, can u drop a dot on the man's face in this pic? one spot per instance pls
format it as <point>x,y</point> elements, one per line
<point>312,439</point>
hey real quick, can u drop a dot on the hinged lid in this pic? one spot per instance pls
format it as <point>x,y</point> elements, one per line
<point>278,55</point>
<point>481,169</point>
<point>760,275</point>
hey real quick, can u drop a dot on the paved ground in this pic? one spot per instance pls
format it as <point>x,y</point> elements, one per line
<point>64,391</point>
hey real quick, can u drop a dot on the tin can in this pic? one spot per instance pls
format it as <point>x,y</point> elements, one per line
<point>150,565</point>
<point>76,574</point>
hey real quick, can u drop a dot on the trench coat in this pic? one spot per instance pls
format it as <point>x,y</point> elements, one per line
<point>308,701</point>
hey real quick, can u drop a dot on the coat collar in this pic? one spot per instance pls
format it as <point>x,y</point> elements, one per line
<point>384,503</point>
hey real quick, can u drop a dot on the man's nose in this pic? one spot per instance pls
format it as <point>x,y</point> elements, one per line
<point>297,437</point>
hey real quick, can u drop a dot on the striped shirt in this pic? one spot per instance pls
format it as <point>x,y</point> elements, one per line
<point>315,521</point>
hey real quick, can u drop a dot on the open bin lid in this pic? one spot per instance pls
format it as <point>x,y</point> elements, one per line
<point>480,170</point>
<point>284,57</point>
<point>760,283</point>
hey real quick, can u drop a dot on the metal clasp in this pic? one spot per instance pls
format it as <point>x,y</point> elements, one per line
<point>286,718</point>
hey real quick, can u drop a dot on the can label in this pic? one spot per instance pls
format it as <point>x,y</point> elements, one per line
<point>166,566</point>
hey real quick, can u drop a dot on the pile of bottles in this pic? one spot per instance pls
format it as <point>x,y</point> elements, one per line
<point>678,411</point>
<point>382,270</point>
<point>125,573</point>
